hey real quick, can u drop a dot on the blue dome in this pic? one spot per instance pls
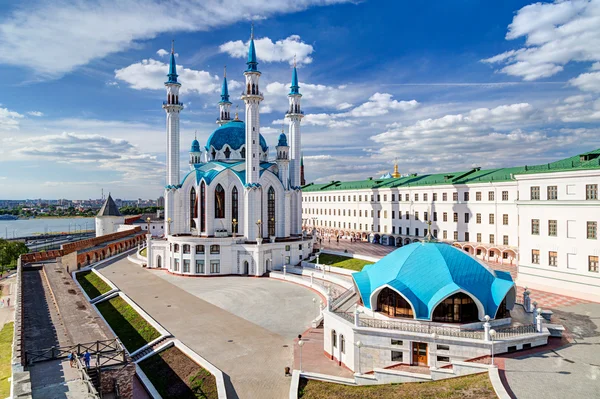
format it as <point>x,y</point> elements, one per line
<point>282,140</point>
<point>195,146</point>
<point>232,134</point>
<point>426,273</point>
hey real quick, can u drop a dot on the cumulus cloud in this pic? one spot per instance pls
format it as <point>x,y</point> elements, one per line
<point>576,109</point>
<point>268,51</point>
<point>587,82</point>
<point>9,120</point>
<point>40,37</point>
<point>555,34</point>
<point>35,113</point>
<point>162,52</point>
<point>381,104</point>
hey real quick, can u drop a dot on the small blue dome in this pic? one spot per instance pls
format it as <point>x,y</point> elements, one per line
<point>234,135</point>
<point>195,146</point>
<point>427,273</point>
<point>282,140</point>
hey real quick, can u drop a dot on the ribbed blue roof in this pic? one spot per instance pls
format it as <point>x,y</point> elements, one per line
<point>232,134</point>
<point>195,146</point>
<point>294,88</point>
<point>282,140</point>
<point>426,273</point>
<point>224,92</point>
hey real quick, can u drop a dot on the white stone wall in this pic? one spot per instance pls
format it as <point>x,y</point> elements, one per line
<point>108,224</point>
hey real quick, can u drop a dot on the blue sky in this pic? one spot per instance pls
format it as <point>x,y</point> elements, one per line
<point>435,85</point>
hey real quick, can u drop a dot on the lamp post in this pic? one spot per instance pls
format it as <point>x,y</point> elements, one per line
<point>300,344</point>
<point>148,222</point>
<point>258,225</point>
<point>434,336</point>
<point>492,335</point>
<point>272,224</point>
<point>314,303</point>
<point>169,221</point>
<point>234,222</point>
<point>358,345</point>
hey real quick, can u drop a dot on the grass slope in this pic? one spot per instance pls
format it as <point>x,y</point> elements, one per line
<point>133,330</point>
<point>6,337</point>
<point>92,284</point>
<point>477,386</point>
<point>342,261</point>
<point>174,375</point>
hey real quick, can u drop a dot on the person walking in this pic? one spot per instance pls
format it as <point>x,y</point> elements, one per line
<point>86,358</point>
<point>8,302</point>
<point>72,358</point>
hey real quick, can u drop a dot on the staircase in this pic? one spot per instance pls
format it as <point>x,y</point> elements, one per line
<point>151,348</point>
<point>94,374</point>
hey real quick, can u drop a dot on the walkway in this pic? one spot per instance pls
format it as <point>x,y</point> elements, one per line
<point>314,358</point>
<point>252,355</point>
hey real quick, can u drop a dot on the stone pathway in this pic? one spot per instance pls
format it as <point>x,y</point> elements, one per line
<point>313,356</point>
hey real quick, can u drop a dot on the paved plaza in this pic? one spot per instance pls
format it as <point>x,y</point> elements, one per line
<point>253,350</point>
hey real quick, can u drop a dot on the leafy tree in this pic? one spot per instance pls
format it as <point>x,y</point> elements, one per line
<point>10,252</point>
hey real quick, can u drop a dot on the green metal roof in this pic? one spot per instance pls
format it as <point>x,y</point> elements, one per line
<point>588,160</point>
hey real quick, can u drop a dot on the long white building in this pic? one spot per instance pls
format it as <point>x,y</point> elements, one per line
<point>543,218</point>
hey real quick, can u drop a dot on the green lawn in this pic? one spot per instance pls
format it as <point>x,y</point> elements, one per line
<point>342,261</point>
<point>477,386</point>
<point>92,284</point>
<point>133,330</point>
<point>6,338</point>
<point>174,375</point>
<point>144,251</point>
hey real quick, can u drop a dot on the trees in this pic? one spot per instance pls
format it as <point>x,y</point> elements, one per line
<point>10,252</point>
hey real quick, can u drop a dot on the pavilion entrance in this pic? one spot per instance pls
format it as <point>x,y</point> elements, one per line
<point>419,357</point>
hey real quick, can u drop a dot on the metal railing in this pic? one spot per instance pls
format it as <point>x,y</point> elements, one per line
<point>342,298</point>
<point>109,350</point>
<point>513,331</point>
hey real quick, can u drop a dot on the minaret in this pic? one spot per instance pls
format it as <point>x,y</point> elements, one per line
<point>302,181</point>
<point>195,153</point>
<point>283,151</point>
<point>172,107</point>
<point>252,97</point>
<point>224,104</point>
<point>295,115</point>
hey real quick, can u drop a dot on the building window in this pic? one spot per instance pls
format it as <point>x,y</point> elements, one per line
<point>425,197</point>
<point>215,266</point>
<point>215,249</point>
<point>406,197</point>
<point>393,304</point>
<point>445,234</point>
<point>505,219</point>
<point>234,210</point>
<point>398,342</point>
<point>406,215</point>
<point>175,265</point>
<point>478,237</point>
<point>393,197</point>
<point>535,227</point>
<point>444,196</point>
<point>478,218</point>
<point>378,214</point>
<point>456,236</point>
<point>455,197</point>
<point>466,195</point>
<point>593,264</point>
<point>535,192</point>
<point>552,258</point>
<point>416,232</point>
<point>535,256</point>
<point>199,267</point>
<point>466,236</point>
<point>434,196</point>
<point>334,338</point>
<point>443,359</point>
<point>504,195</point>
<point>416,197</point>
<point>592,228</point>
<point>492,239</point>
<point>591,191</point>
<point>396,356</point>
<point>445,216</point>
<point>416,215</point>
<point>202,206</point>
<point>271,211</point>
<point>552,192</point>
<point>342,344</point>
<point>435,216</point>
<point>443,348</point>
<point>186,248</point>
<point>505,242</point>
<point>176,248</point>
<point>458,308</point>
<point>552,228</point>
<point>492,218</point>
<point>466,218</point>
<point>186,265</point>
<point>193,208</point>
<point>490,195</point>
<point>219,202</point>
<point>478,196</point>
<point>455,217</point>
<point>425,216</point>
<point>434,233</point>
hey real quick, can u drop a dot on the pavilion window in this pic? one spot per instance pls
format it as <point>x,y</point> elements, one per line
<point>393,304</point>
<point>271,211</point>
<point>203,206</point>
<point>458,308</point>
<point>234,209</point>
<point>219,202</point>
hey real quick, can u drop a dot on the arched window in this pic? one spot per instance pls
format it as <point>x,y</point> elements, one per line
<point>219,202</point>
<point>271,210</point>
<point>215,249</point>
<point>234,210</point>
<point>393,304</point>
<point>248,91</point>
<point>334,338</point>
<point>176,247</point>
<point>214,154</point>
<point>186,248</point>
<point>243,152</point>
<point>458,308</point>
<point>202,206</point>
<point>227,152</point>
<point>253,89</point>
<point>342,344</point>
<point>193,208</point>
<point>502,311</point>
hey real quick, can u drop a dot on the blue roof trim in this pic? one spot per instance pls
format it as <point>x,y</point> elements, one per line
<point>426,273</point>
<point>234,135</point>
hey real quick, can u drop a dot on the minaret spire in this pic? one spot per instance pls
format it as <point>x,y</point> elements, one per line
<point>252,64</point>
<point>172,66</point>
<point>295,115</point>
<point>224,104</point>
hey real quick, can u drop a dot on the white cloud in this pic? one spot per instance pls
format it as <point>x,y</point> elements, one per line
<point>576,109</point>
<point>587,82</point>
<point>267,51</point>
<point>150,74</point>
<point>9,120</point>
<point>162,52</point>
<point>556,34</point>
<point>41,37</point>
<point>381,104</point>
<point>318,157</point>
<point>35,113</point>
<point>343,106</point>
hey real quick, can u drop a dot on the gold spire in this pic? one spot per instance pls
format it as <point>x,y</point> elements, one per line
<point>396,174</point>
<point>236,113</point>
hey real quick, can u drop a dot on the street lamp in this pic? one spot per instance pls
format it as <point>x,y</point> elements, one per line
<point>148,221</point>
<point>258,224</point>
<point>358,345</point>
<point>434,336</point>
<point>272,224</point>
<point>169,221</point>
<point>300,344</point>
<point>492,335</point>
<point>234,222</point>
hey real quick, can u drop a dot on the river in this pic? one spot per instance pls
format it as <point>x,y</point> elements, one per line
<point>28,227</point>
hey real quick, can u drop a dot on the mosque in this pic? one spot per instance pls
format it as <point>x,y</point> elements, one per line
<point>238,210</point>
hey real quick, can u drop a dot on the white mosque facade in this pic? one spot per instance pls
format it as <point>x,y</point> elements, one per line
<point>237,211</point>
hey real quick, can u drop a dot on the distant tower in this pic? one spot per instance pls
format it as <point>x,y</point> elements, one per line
<point>295,115</point>
<point>252,97</point>
<point>283,152</point>
<point>396,174</point>
<point>109,218</point>
<point>302,181</point>
<point>172,107</point>
<point>195,153</point>
<point>224,104</point>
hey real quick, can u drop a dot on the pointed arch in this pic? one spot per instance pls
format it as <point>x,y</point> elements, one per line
<point>219,202</point>
<point>234,210</point>
<point>458,307</point>
<point>193,208</point>
<point>271,210</point>
<point>203,206</point>
<point>243,152</point>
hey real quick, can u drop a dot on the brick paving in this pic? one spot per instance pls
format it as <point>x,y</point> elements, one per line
<point>314,358</point>
<point>549,300</point>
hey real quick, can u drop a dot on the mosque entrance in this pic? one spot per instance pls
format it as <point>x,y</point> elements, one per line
<point>419,354</point>
<point>245,270</point>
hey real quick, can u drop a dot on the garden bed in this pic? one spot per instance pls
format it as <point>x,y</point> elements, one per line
<point>131,328</point>
<point>175,375</point>
<point>476,386</point>
<point>92,284</point>
<point>342,261</point>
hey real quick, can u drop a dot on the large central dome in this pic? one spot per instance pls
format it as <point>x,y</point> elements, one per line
<point>232,134</point>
